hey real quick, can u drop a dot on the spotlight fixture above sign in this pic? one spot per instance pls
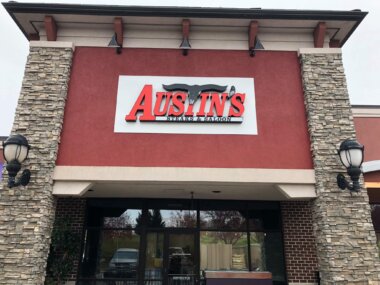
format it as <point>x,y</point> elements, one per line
<point>185,45</point>
<point>117,38</point>
<point>252,34</point>
<point>113,44</point>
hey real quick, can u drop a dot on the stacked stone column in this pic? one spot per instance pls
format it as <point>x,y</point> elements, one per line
<point>345,238</point>
<point>27,213</point>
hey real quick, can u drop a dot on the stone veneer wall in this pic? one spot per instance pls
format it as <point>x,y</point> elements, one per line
<point>345,239</point>
<point>27,214</point>
<point>299,242</point>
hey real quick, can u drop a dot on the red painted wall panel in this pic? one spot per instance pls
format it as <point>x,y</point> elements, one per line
<point>372,176</point>
<point>368,134</point>
<point>88,138</point>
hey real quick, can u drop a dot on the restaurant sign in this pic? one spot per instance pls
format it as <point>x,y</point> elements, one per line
<point>185,105</point>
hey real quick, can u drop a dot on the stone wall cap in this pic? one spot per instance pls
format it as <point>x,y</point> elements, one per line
<point>366,111</point>
<point>319,51</point>
<point>52,44</point>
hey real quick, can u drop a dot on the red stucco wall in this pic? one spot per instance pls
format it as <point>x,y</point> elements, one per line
<point>368,134</point>
<point>88,138</point>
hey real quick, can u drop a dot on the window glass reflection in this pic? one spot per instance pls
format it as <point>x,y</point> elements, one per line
<point>263,220</point>
<point>122,218</point>
<point>223,251</point>
<point>267,254</point>
<point>375,211</point>
<point>181,254</point>
<point>112,240</point>
<point>172,218</point>
<point>255,224</point>
<point>257,251</point>
<point>222,220</point>
<point>154,258</point>
<point>111,254</point>
<point>119,254</point>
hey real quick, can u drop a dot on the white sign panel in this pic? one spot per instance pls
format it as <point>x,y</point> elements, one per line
<point>186,105</point>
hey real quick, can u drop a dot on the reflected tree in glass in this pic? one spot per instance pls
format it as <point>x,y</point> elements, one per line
<point>183,219</point>
<point>224,220</point>
<point>155,219</point>
<point>122,221</point>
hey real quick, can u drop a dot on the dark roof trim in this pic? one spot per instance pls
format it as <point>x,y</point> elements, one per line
<point>151,11</point>
<point>365,106</point>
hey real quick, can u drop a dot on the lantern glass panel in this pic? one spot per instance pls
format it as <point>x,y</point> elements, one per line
<point>356,157</point>
<point>10,151</point>
<point>15,152</point>
<point>351,157</point>
<point>345,158</point>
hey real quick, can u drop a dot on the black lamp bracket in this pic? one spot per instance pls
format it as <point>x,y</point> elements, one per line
<point>344,184</point>
<point>22,180</point>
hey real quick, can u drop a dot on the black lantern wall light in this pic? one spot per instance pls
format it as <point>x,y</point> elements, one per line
<point>15,151</point>
<point>351,155</point>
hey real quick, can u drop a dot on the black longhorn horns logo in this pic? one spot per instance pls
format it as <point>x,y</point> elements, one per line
<point>195,91</point>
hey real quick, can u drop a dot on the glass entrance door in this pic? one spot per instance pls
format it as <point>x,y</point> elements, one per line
<point>170,258</point>
<point>181,259</point>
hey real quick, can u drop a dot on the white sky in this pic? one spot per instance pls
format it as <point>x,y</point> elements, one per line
<point>361,55</point>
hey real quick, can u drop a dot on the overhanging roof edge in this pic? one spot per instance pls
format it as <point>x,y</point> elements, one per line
<point>150,11</point>
<point>186,12</point>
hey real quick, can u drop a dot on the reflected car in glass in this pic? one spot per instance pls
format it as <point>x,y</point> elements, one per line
<point>123,264</point>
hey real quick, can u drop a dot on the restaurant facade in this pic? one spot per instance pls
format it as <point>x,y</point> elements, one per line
<point>183,144</point>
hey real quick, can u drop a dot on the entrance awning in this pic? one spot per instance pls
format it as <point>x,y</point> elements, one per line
<point>179,182</point>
